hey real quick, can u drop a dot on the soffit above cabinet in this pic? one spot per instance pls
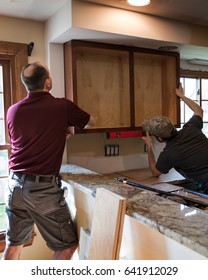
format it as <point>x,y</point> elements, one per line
<point>190,11</point>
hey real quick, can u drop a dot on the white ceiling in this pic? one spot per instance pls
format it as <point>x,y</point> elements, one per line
<point>39,10</point>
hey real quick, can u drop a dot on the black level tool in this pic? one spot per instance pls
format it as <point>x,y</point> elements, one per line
<point>187,199</point>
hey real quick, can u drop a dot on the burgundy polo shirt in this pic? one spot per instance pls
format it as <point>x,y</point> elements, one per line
<point>37,128</point>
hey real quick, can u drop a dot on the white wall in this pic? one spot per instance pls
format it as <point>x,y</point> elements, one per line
<point>88,151</point>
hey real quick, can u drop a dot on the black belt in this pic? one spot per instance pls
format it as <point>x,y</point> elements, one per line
<point>35,178</point>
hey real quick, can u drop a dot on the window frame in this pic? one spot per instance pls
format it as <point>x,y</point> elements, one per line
<point>14,56</point>
<point>195,75</point>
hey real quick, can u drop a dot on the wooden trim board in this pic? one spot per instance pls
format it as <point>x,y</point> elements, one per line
<point>107,226</point>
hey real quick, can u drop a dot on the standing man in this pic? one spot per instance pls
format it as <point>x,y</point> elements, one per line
<point>186,150</point>
<point>37,127</point>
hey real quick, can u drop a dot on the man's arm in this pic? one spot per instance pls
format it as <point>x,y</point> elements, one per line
<point>70,129</point>
<point>197,110</point>
<point>90,123</point>
<point>151,156</point>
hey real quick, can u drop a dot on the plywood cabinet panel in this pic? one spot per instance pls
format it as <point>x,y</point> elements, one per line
<point>170,81</point>
<point>121,86</point>
<point>107,226</point>
<point>147,86</point>
<point>102,85</point>
<point>155,81</point>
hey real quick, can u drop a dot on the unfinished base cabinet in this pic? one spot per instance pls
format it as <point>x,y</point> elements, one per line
<point>120,86</point>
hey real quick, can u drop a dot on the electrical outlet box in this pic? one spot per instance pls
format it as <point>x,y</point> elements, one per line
<point>111,150</point>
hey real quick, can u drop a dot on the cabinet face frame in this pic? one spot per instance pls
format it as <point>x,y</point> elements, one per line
<point>130,112</point>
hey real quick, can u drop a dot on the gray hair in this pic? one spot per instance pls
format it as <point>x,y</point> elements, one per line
<point>160,126</point>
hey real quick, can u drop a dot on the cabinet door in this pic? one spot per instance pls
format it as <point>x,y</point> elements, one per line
<point>155,81</point>
<point>102,85</point>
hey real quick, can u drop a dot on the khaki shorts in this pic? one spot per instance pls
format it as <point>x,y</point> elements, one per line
<point>41,203</point>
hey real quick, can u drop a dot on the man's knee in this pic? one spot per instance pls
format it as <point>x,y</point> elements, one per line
<point>12,252</point>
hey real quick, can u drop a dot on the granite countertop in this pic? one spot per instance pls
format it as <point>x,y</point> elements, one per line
<point>186,225</point>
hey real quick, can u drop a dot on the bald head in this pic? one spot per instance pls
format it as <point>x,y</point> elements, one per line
<point>34,77</point>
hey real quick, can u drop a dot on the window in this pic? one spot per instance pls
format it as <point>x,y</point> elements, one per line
<point>196,87</point>
<point>13,56</point>
<point>4,147</point>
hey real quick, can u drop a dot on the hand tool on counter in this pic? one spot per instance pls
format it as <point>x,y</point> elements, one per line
<point>169,193</point>
<point>197,193</point>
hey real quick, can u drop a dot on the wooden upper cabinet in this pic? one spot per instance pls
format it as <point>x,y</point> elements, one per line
<point>99,83</point>
<point>120,86</point>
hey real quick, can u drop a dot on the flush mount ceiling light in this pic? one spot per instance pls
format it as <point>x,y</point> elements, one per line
<point>168,48</point>
<point>138,2</point>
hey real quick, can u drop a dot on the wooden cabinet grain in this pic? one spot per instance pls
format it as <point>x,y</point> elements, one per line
<point>155,80</point>
<point>99,82</point>
<point>120,86</point>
